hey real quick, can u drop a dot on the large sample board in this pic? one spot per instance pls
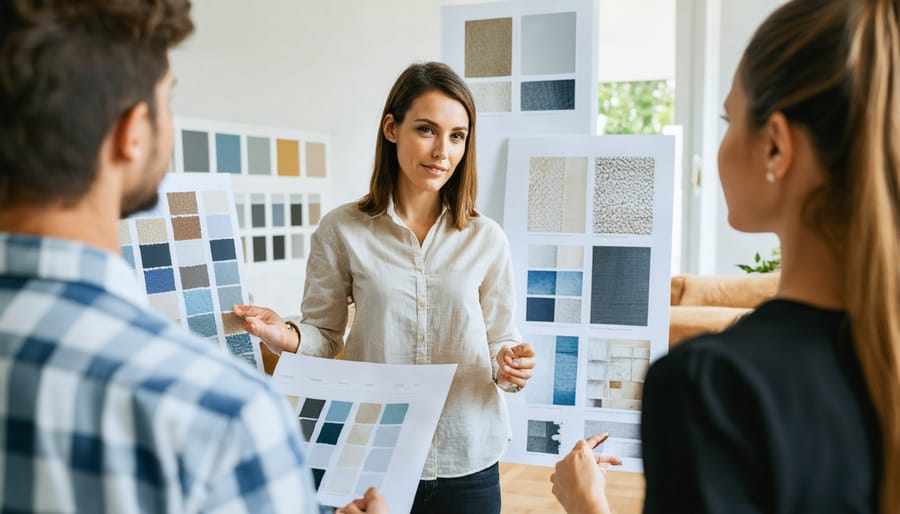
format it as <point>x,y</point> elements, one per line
<point>532,68</point>
<point>590,234</point>
<point>366,424</point>
<point>186,253</point>
<point>281,180</point>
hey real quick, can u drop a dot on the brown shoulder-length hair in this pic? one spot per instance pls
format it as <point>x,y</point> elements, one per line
<point>460,192</point>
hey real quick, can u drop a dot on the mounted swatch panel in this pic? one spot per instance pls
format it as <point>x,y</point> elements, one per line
<point>590,236</point>
<point>531,66</point>
<point>281,180</point>
<point>185,251</point>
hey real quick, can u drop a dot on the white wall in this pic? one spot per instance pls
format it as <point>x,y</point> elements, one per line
<point>626,53</point>
<point>738,20</point>
<point>322,66</point>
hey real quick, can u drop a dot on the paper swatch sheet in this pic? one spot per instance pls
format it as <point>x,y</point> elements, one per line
<point>187,254</point>
<point>366,425</point>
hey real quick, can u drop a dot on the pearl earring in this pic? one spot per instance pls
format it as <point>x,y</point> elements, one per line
<point>770,177</point>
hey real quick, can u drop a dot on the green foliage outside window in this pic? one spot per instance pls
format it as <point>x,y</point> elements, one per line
<point>636,107</point>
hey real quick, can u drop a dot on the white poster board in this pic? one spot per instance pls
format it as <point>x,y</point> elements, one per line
<point>590,234</point>
<point>187,255</point>
<point>366,424</point>
<point>532,67</point>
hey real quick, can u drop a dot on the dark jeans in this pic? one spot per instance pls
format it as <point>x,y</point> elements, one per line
<point>478,493</point>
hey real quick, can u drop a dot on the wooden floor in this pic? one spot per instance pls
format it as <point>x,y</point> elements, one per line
<point>527,490</point>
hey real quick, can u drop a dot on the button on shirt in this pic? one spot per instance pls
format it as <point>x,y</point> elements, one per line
<point>449,300</point>
<point>107,407</point>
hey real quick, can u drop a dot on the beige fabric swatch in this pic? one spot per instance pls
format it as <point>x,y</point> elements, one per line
<point>489,48</point>
<point>151,230</point>
<point>315,160</point>
<point>492,96</point>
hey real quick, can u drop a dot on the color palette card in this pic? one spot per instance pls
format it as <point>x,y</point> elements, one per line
<point>590,232</point>
<point>186,252</point>
<point>366,425</point>
<point>282,179</point>
<point>531,66</point>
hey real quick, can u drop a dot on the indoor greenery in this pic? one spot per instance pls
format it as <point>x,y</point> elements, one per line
<point>764,265</point>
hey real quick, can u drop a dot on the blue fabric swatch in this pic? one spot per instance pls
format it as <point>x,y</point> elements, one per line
<point>219,226</point>
<point>128,255</point>
<point>198,301</point>
<point>229,296</point>
<point>227,273</point>
<point>338,411</point>
<point>222,249</point>
<point>330,433</point>
<point>565,374</point>
<point>387,436</point>
<point>539,309</point>
<point>541,282</point>
<point>203,325</point>
<point>156,256</point>
<point>159,280</point>
<point>228,153</point>
<point>568,283</point>
<point>394,413</point>
<point>277,214</point>
<point>239,344</point>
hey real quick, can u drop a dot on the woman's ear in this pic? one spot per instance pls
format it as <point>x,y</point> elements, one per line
<point>779,145</point>
<point>389,128</point>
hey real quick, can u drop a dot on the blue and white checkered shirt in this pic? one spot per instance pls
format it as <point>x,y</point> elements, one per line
<point>107,407</point>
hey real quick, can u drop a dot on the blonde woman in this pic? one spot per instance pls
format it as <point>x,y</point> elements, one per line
<point>796,408</point>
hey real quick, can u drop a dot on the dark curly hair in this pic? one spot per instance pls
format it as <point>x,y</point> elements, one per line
<point>69,70</point>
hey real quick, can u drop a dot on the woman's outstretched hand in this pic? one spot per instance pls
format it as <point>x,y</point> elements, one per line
<point>267,325</point>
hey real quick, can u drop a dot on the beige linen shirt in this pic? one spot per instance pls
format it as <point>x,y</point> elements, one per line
<point>448,301</point>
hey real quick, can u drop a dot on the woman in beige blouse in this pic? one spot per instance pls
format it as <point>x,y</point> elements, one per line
<point>432,282</point>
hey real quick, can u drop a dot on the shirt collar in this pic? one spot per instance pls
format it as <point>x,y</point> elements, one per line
<point>392,213</point>
<point>63,260</point>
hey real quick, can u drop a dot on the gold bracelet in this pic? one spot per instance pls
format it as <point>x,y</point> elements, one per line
<point>295,329</point>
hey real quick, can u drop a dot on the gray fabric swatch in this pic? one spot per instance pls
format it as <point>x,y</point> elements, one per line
<point>620,287</point>
<point>548,95</point>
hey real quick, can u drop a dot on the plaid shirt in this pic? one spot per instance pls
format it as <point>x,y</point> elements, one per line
<point>107,407</point>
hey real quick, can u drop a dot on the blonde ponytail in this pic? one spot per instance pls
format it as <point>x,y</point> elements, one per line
<point>873,232</point>
<point>834,68</point>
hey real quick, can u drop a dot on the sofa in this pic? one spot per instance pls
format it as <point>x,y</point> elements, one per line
<point>701,303</point>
